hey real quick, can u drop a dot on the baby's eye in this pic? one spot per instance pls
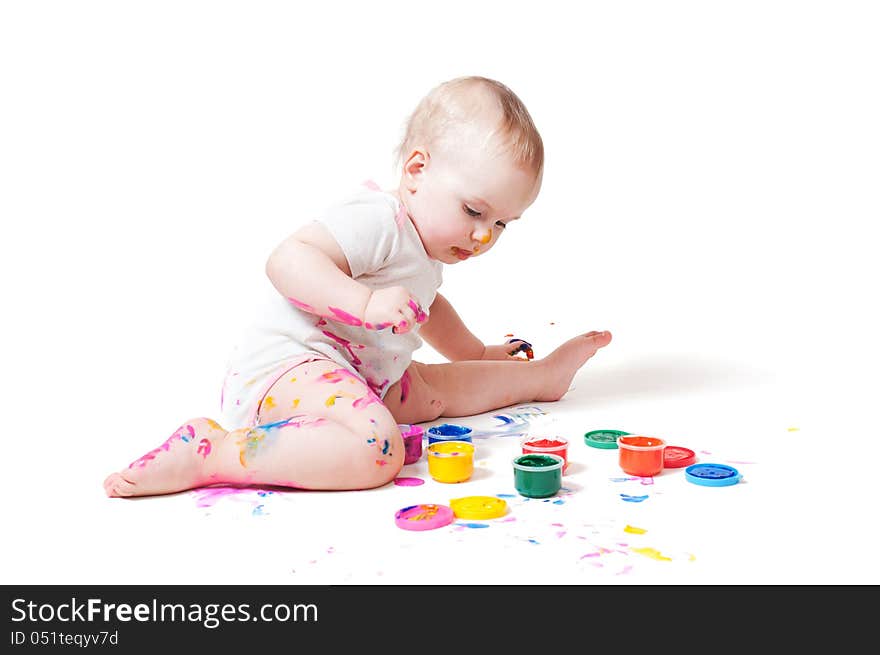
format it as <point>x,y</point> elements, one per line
<point>471,212</point>
<point>501,224</point>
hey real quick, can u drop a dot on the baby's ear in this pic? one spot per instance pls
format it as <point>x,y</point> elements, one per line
<point>414,166</point>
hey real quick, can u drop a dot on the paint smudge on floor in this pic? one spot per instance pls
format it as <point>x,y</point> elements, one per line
<point>408,482</point>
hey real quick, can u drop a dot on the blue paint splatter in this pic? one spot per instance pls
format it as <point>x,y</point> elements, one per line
<point>633,499</point>
<point>506,495</point>
<point>258,511</point>
<point>385,447</point>
<point>473,525</point>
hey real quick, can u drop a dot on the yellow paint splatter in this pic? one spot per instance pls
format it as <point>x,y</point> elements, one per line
<point>793,429</point>
<point>214,425</point>
<point>633,530</point>
<point>268,402</point>
<point>652,553</point>
<point>295,403</point>
<point>293,379</point>
<point>330,401</point>
<point>249,443</point>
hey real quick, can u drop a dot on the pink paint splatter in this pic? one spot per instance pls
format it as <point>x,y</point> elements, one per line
<point>204,448</point>
<point>404,387</point>
<point>301,305</point>
<point>421,316</point>
<point>344,317</point>
<point>338,375</point>
<point>184,433</point>
<point>408,482</point>
<point>208,496</point>
<point>365,401</point>
<point>345,343</point>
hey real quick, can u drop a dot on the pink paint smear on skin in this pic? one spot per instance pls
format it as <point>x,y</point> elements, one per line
<point>204,448</point>
<point>338,375</point>
<point>184,433</point>
<point>301,305</point>
<point>344,317</point>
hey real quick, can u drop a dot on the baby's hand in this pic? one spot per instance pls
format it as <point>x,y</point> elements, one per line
<point>509,350</point>
<point>393,307</point>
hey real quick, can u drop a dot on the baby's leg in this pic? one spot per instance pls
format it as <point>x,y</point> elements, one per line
<point>427,391</point>
<point>320,428</point>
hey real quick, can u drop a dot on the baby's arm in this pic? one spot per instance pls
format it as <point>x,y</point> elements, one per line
<point>449,336</point>
<point>311,271</point>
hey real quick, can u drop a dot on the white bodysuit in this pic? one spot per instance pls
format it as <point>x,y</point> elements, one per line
<point>383,249</point>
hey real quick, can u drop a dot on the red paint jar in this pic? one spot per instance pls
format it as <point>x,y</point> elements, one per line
<point>546,446</point>
<point>641,455</point>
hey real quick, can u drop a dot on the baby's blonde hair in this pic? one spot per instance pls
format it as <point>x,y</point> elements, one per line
<point>458,103</point>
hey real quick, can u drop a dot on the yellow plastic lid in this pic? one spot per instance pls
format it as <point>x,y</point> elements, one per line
<point>478,507</point>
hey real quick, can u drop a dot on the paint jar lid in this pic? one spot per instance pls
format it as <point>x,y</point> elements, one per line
<point>674,457</point>
<point>478,507</point>
<point>712,475</point>
<point>606,439</point>
<point>423,517</point>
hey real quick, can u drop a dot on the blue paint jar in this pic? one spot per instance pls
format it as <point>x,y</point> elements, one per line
<point>448,432</point>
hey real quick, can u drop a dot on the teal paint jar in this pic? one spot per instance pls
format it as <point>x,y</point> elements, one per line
<point>537,476</point>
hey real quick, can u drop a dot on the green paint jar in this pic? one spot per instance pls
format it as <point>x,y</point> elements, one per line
<point>537,476</point>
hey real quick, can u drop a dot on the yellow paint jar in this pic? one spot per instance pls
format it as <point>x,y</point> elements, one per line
<point>451,461</point>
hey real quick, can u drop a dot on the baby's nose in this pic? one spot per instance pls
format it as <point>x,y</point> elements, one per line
<point>482,235</point>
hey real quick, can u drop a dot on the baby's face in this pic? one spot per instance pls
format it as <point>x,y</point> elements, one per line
<point>460,201</point>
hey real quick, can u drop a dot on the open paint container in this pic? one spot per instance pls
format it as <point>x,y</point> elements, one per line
<point>412,442</point>
<point>537,475</point>
<point>451,461</point>
<point>449,432</point>
<point>641,455</point>
<point>547,446</point>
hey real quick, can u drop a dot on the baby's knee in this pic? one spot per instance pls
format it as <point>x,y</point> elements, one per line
<point>383,459</point>
<point>413,399</point>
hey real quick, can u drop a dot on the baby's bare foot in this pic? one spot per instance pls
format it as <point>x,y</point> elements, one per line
<point>561,365</point>
<point>176,465</point>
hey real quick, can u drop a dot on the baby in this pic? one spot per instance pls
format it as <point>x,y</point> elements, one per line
<point>318,386</point>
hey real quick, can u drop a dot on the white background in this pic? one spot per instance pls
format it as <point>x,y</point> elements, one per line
<point>710,196</point>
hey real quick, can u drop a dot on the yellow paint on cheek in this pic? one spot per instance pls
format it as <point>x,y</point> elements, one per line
<point>486,239</point>
<point>652,553</point>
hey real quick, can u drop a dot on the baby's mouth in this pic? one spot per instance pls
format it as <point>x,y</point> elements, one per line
<point>461,254</point>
